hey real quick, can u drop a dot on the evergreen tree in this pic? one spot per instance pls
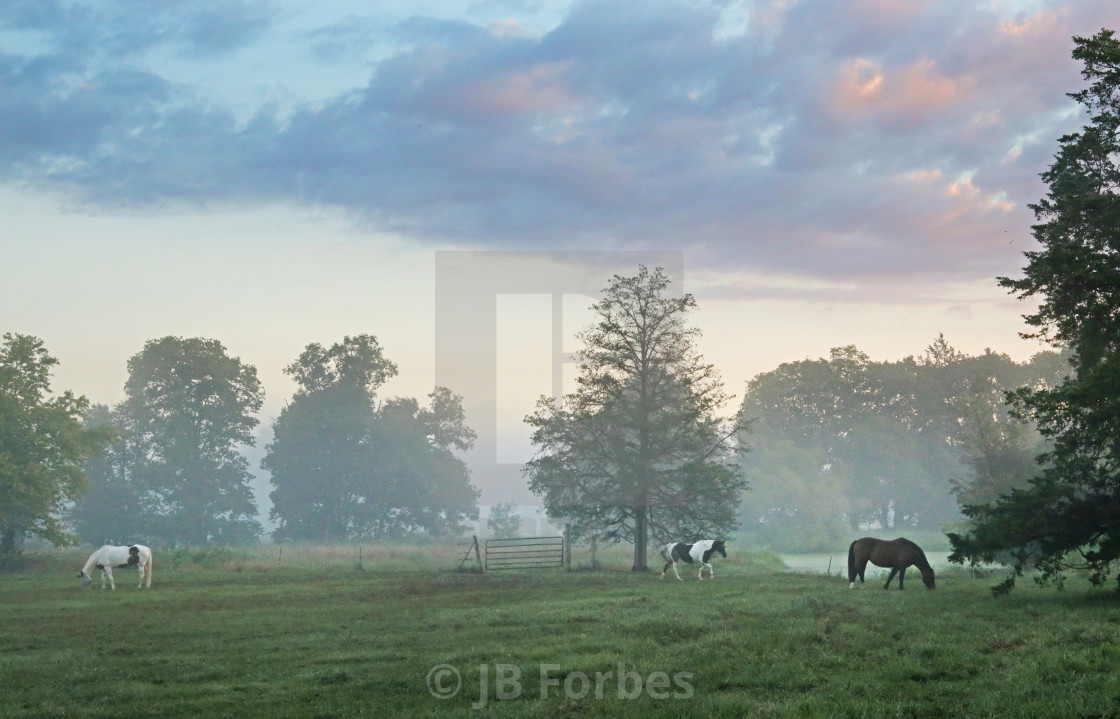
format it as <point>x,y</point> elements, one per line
<point>1069,514</point>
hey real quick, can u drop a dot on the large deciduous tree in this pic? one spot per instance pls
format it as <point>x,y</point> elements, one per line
<point>1000,447</point>
<point>637,450</point>
<point>1069,514</point>
<point>344,467</point>
<point>844,443</point>
<point>863,439</point>
<point>118,508</point>
<point>43,446</point>
<point>189,406</point>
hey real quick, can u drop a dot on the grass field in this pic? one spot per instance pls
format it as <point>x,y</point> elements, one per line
<point>307,632</point>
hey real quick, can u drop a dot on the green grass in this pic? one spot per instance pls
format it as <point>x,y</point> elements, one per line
<point>311,633</point>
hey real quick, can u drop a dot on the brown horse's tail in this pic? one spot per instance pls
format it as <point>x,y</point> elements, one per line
<point>852,561</point>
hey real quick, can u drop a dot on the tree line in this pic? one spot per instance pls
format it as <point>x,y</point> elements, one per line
<point>636,453</point>
<point>164,465</point>
<point>846,444</point>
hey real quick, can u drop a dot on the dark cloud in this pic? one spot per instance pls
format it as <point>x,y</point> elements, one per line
<point>194,28</point>
<point>347,39</point>
<point>871,138</point>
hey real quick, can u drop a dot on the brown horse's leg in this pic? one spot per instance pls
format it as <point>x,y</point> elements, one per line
<point>894,571</point>
<point>901,576</point>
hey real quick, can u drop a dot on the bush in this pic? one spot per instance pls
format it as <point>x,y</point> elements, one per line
<point>504,521</point>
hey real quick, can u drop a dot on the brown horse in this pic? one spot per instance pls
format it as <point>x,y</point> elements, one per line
<point>897,555</point>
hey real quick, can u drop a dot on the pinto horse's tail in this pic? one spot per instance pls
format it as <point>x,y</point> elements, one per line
<point>148,571</point>
<point>87,571</point>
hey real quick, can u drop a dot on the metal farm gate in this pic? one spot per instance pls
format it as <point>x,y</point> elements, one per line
<point>525,553</point>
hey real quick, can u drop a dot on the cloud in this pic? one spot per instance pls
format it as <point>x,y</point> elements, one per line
<point>912,94</point>
<point>346,39</point>
<point>832,140</point>
<point>196,28</point>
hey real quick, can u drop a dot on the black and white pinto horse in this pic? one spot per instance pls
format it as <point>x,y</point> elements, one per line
<point>108,557</point>
<point>701,551</point>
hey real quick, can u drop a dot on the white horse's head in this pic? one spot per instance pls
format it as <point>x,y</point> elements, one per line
<point>85,579</point>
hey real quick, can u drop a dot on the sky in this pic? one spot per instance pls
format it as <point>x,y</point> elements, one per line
<point>275,173</point>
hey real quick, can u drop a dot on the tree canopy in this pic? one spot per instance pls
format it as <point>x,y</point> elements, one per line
<point>345,466</point>
<point>637,450</point>
<point>1069,513</point>
<point>845,443</point>
<point>175,473</point>
<point>43,446</point>
<point>118,507</point>
<point>504,521</point>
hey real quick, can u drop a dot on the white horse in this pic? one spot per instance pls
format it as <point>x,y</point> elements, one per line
<point>701,551</point>
<point>134,555</point>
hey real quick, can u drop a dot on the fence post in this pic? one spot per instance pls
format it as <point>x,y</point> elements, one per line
<point>477,554</point>
<point>568,546</point>
<point>594,547</point>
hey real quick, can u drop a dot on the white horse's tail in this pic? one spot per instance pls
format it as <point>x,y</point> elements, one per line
<point>148,571</point>
<point>87,571</point>
<point>84,576</point>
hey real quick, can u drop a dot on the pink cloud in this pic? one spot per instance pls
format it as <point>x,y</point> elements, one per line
<point>911,93</point>
<point>1045,23</point>
<point>539,88</point>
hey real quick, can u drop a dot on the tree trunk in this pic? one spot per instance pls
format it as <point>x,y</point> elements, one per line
<point>9,549</point>
<point>640,540</point>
